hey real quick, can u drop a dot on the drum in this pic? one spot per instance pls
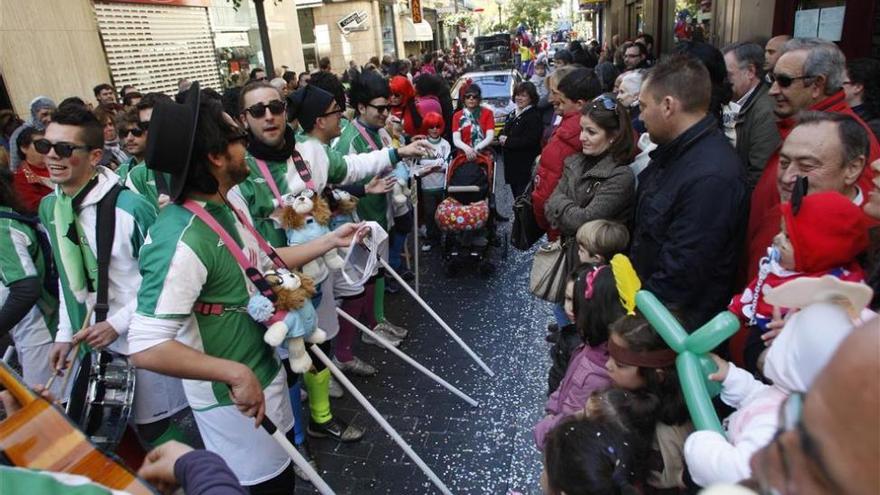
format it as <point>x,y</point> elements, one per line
<point>102,397</point>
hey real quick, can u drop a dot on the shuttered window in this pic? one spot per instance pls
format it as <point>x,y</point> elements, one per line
<point>153,46</point>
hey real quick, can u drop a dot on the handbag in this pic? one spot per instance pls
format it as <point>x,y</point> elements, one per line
<point>548,271</point>
<point>525,231</point>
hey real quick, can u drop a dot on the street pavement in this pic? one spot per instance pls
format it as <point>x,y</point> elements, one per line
<point>484,450</point>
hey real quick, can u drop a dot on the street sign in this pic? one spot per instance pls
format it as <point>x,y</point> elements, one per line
<point>356,21</point>
<point>416,6</point>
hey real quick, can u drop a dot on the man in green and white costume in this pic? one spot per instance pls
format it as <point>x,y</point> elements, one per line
<point>142,179</point>
<point>133,138</point>
<point>369,95</point>
<point>318,115</point>
<point>28,310</point>
<point>191,318</point>
<point>70,217</point>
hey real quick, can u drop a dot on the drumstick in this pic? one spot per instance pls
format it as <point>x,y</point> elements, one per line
<point>70,355</point>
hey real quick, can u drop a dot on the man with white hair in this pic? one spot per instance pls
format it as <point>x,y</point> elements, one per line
<point>756,135</point>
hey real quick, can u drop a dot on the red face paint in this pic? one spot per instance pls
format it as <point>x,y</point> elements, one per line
<point>73,161</point>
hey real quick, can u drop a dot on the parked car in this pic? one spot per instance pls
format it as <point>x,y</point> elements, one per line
<point>551,52</point>
<point>497,89</point>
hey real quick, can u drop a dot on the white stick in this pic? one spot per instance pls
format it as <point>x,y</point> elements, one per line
<point>416,233</point>
<point>318,482</point>
<point>8,354</point>
<point>379,419</point>
<point>439,320</point>
<point>415,364</point>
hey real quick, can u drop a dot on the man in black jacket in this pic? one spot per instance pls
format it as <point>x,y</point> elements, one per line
<point>691,201</point>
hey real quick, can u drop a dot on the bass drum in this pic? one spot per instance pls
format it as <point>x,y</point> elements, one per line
<point>102,397</point>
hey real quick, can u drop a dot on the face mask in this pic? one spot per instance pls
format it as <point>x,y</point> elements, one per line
<point>360,260</point>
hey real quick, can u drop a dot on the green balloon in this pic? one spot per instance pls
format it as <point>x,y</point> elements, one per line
<point>693,363</point>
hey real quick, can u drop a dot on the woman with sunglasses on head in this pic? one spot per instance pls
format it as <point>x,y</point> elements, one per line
<point>596,183</point>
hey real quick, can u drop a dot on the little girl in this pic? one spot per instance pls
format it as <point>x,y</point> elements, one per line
<point>433,174</point>
<point>641,360</point>
<point>594,298</point>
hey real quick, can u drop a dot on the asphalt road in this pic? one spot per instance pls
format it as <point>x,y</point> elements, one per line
<point>484,450</point>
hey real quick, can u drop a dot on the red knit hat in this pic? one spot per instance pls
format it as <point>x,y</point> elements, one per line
<point>828,231</point>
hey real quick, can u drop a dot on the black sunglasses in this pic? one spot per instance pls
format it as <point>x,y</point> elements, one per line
<point>331,112</point>
<point>783,80</point>
<point>276,107</point>
<point>471,96</point>
<point>380,108</point>
<point>62,149</point>
<point>134,131</point>
<point>144,125</point>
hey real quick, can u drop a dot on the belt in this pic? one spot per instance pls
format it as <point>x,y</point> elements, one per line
<point>216,309</point>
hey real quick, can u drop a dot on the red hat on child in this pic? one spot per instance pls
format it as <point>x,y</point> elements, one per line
<point>828,231</point>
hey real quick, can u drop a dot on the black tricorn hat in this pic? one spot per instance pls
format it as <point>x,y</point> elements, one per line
<point>171,136</point>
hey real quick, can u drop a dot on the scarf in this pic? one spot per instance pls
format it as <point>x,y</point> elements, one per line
<point>77,260</point>
<point>472,119</point>
<point>262,151</point>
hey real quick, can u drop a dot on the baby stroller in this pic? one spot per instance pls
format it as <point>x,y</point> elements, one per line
<point>467,215</point>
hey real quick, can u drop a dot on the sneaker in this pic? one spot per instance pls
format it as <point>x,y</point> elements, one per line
<point>356,367</point>
<point>366,339</point>
<point>304,450</point>
<point>395,330</point>
<point>426,247</point>
<point>336,391</point>
<point>336,429</point>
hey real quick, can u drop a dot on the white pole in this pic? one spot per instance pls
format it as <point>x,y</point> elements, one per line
<point>415,364</point>
<point>417,182</point>
<point>8,354</point>
<point>318,482</point>
<point>379,419</point>
<point>439,320</point>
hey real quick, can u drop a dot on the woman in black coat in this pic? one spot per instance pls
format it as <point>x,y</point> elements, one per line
<point>521,138</point>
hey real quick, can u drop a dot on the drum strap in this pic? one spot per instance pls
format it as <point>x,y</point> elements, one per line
<point>106,218</point>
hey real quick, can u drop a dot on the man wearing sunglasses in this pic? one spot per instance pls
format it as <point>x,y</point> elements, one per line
<point>829,438</point>
<point>73,145</point>
<point>142,179</point>
<point>133,139</point>
<point>809,75</point>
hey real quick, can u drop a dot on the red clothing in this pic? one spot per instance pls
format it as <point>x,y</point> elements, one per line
<point>564,142</point>
<point>765,213</point>
<point>28,186</point>
<point>486,120</point>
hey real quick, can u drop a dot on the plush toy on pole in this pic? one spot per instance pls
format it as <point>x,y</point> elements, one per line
<point>693,364</point>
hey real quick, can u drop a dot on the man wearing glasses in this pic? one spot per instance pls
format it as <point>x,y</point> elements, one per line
<point>134,141</point>
<point>809,75</point>
<point>73,145</point>
<point>829,439</point>
<point>142,179</point>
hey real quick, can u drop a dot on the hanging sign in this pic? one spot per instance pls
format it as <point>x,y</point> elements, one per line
<point>416,6</point>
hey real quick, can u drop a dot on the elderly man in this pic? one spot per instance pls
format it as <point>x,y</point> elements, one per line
<point>808,76</point>
<point>756,133</point>
<point>829,439</point>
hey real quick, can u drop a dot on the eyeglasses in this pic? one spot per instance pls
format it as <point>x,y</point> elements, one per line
<point>471,97</point>
<point>380,108</point>
<point>783,80</point>
<point>134,131</point>
<point>791,420</point>
<point>62,149</point>
<point>276,107</point>
<point>332,112</point>
<point>606,101</point>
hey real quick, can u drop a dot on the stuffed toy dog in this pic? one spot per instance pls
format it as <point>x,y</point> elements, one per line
<point>292,318</point>
<point>306,216</point>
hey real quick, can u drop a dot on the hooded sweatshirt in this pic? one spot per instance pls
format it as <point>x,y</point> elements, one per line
<point>37,104</point>
<point>803,348</point>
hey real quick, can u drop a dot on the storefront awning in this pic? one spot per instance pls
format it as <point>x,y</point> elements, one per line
<point>416,31</point>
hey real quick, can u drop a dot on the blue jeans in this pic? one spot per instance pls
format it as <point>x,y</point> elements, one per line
<point>395,250</point>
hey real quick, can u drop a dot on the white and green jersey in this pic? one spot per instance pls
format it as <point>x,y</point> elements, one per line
<point>184,262</point>
<point>21,480</point>
<point>21,258</point>
<point>134,216</point>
